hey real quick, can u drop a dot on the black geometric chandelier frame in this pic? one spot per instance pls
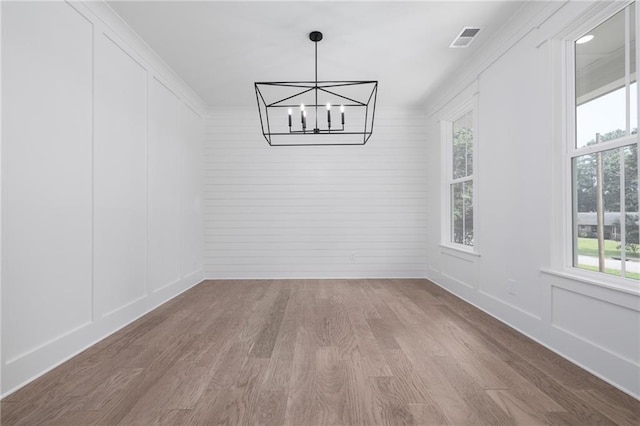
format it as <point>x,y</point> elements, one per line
<point>316,125</point>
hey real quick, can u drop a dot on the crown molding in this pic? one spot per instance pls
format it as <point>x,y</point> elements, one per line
<point>156,65</point>
<point>531,16</point>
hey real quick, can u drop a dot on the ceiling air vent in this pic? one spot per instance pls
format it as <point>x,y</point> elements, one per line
<point>466,36</point>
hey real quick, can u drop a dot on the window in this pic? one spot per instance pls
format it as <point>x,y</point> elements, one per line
<point>603,151</point>
<point>459,139</point>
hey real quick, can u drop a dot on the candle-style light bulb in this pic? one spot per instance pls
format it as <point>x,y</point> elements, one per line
<point>342,114</point>
<point>329,114</point>
<point>304,120</point>
<point>290,112</point>
<point>302,113</point>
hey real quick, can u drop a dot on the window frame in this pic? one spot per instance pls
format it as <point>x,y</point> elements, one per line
<point>447,179</point>
<point>571,152</point>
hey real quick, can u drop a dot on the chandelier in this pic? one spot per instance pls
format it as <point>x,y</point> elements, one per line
<point>316,113</point>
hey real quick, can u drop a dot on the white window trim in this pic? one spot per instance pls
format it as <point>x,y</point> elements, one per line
<point>446,154</point>
<point>570,151</point>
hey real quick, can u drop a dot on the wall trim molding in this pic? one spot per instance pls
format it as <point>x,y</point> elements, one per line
<point>43,354</point>
<point>527,19</point>
<point>595,345</point>
<point>606,292</point>
<point>546,332</point>
<point>156,66</point>
<point>82,338</point>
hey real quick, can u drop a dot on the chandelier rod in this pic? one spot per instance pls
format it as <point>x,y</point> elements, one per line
<point>315,41</point>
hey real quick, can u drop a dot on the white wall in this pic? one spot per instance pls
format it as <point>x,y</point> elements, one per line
<point>101,183</point>
<point>102,201</point>
<point>519,184</point>
<point>287,212</point>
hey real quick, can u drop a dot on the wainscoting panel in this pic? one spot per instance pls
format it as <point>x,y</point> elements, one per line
<point>46,179</point>
<point>164,186</point>
<point>191,178</point>
<point>101,161</point>
<point>602,330</point>
<point>460,268</point>
<point>120,173</point>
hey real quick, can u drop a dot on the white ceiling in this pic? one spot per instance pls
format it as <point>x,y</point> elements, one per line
<point>221,48</point>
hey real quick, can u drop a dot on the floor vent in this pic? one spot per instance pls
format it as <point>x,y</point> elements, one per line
<point>466,36</point>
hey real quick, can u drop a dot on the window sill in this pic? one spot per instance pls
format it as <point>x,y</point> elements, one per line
<point>595,281</point>
<point>460,249</point>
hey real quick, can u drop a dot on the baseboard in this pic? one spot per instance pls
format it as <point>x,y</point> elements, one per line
<point>233,277</point>
<point>545,330</point>
<point>27,367</point>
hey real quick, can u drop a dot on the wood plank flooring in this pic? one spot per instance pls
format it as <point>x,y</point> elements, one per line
<point>315,352</point>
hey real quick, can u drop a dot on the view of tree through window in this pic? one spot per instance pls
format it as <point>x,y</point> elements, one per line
<point>604,157</point>
<point>461,186</point>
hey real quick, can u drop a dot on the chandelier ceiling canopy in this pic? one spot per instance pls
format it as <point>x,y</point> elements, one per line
<point>316,113</point>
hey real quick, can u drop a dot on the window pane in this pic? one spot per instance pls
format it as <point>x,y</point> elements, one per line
<point>612,215</point>
<point>634,108</point>
<point>601,119</point>
<point>632,265</point>
<point>468,213</point>
<point>463,146</point>
<point>634,86</point>
<point>588,171</point>
<point>600,79</point>
<point>631,178</point>
<point>462,213</point>
<point>632,75</point>
<point>632,38</point>
<point>456,213</point>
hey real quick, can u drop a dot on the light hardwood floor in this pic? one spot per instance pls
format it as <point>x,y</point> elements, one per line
<point>311,352</point>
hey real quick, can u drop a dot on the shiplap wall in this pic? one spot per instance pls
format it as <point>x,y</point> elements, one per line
<point>289,212</point>
<point>101,183</point>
